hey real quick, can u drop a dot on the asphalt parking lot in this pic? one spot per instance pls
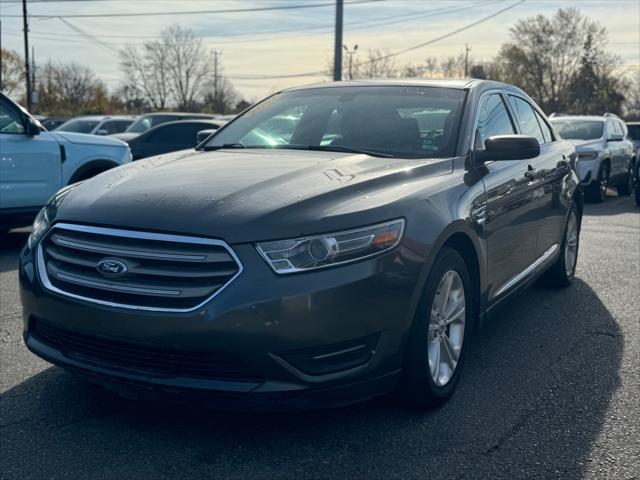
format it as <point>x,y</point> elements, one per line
<point>550,390</point>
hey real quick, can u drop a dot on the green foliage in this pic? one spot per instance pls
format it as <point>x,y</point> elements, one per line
<point>12,73</point>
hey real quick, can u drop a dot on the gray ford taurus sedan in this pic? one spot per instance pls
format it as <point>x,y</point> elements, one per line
<point>331,244</point>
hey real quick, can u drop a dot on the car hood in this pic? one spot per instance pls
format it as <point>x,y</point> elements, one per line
<point>244,196</point>
<point>86,139</point>
<point>587,144</point>
<point>125,137</point>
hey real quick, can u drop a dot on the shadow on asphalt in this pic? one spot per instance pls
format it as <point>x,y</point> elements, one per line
<point>613,205</point>
<point>538,381</point>
<point>10,245</point>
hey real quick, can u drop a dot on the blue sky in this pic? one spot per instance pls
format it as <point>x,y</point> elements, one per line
<point>285,42</point>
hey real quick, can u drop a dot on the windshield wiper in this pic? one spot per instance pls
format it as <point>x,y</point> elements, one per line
<point>209,148</point>
<point>337,148</point>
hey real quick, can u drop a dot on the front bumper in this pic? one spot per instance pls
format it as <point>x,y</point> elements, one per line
<point>588,170</point>
<point>276,326</point>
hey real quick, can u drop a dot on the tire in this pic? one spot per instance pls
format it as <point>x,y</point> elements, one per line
<point>563,271</point>
<point>626,187</point>
<point>427,381</point>
<point>597,191</point>
<point>637,195</point>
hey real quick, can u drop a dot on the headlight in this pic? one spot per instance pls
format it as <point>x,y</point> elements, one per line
<point>587,155</point>
<point>309,253</point>
<point>48,213</point>
<point>40,226</point>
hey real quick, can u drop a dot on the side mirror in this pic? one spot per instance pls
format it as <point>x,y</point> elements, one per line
<point>204,134</point>
<point>33,127</point>
<point>508,147</point>
<point>615,137</point>
<point>102,131</point>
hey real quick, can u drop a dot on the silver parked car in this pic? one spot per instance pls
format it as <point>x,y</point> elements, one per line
<point>97,124</point>
<point>605,154</point>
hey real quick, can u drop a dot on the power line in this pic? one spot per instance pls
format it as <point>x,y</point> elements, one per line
<point>358,25</point>
<point>390,55</point>
<point>105,46</point>
<point>199,12</point>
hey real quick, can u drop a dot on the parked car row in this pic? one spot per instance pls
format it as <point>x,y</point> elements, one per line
<point>607,154</point>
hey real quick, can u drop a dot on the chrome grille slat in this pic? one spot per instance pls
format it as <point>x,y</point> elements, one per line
<point>164,272</point>
<point>107,250</point>
<point>190,271</point>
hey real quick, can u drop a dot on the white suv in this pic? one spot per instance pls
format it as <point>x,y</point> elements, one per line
<point>605,155</point>
<point>35,163</point>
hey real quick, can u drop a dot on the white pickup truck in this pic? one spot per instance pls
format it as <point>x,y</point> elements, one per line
<point>35,163</point>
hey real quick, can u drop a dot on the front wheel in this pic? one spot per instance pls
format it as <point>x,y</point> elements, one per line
<point>597,191</point>
<point>626,187</point>
<point>562,272</point>
<point>436,348</point>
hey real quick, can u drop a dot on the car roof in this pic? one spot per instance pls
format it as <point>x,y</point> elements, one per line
<point>598,118</point>
<point>465,83</point>
<point>193,120</point>
<point>180,114</point>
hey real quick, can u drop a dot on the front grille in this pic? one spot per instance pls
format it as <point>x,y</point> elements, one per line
<point>163,272</point>
<point>142,358</point>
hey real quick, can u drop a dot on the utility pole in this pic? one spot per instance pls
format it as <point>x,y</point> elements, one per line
<point>351,53</point>
<point>34,90</point>
<point>27,69</point>
<point>0,55</point>
<point>467,49</point>
<point>216,84</point>
<point>337,50</point>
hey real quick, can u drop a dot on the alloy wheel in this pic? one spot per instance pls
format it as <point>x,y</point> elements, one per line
<point>446,328</point>
<point>604,182</point>
<point>571,244</point>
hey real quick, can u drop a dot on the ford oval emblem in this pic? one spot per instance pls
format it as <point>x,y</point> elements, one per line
<point>111,267</point>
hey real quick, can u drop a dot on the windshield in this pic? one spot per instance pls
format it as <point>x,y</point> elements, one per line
<point>78,126</point>
<point>411,122</point>
<point>579,129</point>
<point>634,131</point>
<point>145,123</point>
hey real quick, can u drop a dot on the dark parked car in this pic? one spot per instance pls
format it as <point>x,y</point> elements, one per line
<point>170,137</point>
<point>150,120</point>
<point>51,123</point>
<point>336,261</point>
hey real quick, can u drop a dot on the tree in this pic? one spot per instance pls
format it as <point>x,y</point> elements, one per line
<point>146,73</point>
<point>632,100</point>
<point>378,64</point>
<point>220,96</point>
<point>593,90</point>
<point>545,54</point>
<point>12,73</point>
<point>69,89</point>
<point>176,69</point>
<point>188,64</point>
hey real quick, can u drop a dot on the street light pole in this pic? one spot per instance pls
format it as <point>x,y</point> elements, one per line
<point>337,50</point>
<point>351,53</point>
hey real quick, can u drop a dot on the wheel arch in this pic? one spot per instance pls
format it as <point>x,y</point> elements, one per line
<point>90,169</point>
<point>465,240</point>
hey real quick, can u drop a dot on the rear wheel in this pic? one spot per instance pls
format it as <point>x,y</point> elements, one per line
<point>562,272</point>
<point>436,349</point>
<point>597,191</point>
